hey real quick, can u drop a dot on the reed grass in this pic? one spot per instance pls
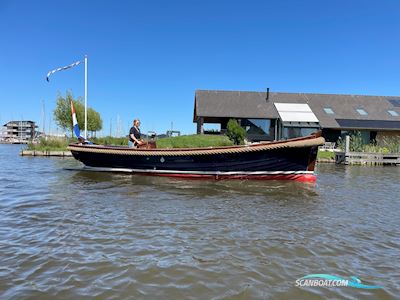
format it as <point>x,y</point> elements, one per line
<point>49,144</point>
<point>385,145</point>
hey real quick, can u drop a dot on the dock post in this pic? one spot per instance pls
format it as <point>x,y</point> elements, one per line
<point>347,144</point>
<point>347,150</point>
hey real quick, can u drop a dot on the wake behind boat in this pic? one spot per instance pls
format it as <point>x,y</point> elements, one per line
<point>292,159</point>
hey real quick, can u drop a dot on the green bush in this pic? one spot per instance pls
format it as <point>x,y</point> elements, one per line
<point>390,144</point>
<point>235,132</point>
<point>385,146</point>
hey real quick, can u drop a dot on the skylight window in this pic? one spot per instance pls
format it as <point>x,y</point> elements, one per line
<point>362,112</point>
<point>393,113</point>
<point>329,111</point>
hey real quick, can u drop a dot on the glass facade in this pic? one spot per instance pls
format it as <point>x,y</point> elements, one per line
<point>264,130</point>
<point>259,129</point>
<point>294,132</point>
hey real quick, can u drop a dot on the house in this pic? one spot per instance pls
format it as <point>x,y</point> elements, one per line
<point>274,116</point>
<point>20,130</point>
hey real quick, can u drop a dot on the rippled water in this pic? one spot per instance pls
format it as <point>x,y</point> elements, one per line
<point>77,234</point>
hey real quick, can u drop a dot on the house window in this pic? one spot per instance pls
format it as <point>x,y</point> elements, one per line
<point>329,111</point>
<point>362,112</point>
<point>258,129</point>
<point>393,113</point>
<point>294,132</point>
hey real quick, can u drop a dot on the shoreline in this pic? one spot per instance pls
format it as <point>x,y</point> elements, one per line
<point>52,153</point>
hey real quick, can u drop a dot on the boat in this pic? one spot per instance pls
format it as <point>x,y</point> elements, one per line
<point>292,159</point>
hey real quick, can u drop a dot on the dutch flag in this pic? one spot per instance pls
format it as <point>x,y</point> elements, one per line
<point>77,131</point>
<point>75,122</point>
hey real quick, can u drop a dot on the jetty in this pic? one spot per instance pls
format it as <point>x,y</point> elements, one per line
<point>45,153</point>
<point>365,158</point>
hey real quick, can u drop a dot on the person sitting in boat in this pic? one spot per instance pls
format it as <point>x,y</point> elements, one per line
<point>135,135</point>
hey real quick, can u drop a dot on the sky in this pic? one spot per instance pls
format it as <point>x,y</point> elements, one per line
<point>146,59</point>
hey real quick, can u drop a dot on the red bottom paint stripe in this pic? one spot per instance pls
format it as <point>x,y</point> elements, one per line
<point>295,177</point>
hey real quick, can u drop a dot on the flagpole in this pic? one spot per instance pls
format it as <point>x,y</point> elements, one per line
<point>85,96</point>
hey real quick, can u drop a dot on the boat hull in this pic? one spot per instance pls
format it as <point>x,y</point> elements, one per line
<point>292,160</point>
<point>301,176</point>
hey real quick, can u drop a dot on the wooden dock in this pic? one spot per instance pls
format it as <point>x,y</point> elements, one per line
<point>46,153</point>
<point>364,158</point>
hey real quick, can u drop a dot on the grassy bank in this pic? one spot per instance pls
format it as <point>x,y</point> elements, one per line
<point>194,141</point>
<point>185,141</point>
<point>110,141</point>
<point>326,155</point>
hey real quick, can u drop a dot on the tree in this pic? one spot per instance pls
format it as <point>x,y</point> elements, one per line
<point>63,116</point>
<point>235,132</point>
<point>95,123</point>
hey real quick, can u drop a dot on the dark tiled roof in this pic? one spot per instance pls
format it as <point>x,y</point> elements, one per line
<point>254,105</point>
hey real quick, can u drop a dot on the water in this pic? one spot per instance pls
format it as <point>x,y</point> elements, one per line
<point>75,234</point>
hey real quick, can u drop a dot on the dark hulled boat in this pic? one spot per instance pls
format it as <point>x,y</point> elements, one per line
<point>292,159</point>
